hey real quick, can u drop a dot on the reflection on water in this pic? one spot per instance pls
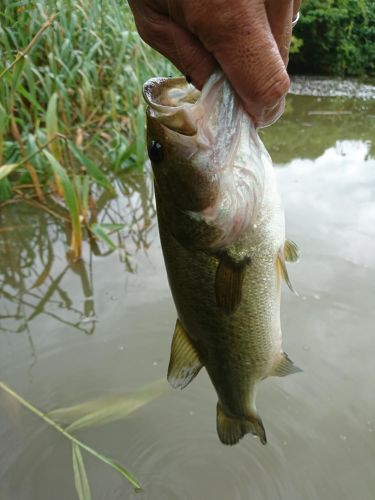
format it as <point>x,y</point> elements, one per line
<point>320,426</point>
<point>311,125</point>
<point>34,271</point>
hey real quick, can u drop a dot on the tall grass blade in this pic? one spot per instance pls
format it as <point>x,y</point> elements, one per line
<point>129,476</point>
<point>23,53</point>
<point>108,409</point>
<point>5,190</point>
<point>52,131</point>
<point>17,72</point>
<point>8,168</point>
<point>5,170</point>
<point>101,233</point>
<point>91,168</point>
<point>115,465</point>
<point>71,202</point>
<point>80,477</point>
<point>140,136</point>
<point>47,269</point>
<point>51,120</point>
<point>3,130</point>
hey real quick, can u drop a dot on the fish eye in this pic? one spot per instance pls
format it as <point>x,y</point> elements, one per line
<point>155,152</point>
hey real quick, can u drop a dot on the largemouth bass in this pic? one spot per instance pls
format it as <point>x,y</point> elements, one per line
<point>221,226</point>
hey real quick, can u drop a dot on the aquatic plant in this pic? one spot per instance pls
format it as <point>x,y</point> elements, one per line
<point>71,110</point>
<point>32,280</point>
<point>87,415</point>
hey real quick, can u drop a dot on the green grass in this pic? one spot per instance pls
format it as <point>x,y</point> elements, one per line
<point>71,75</point>
<point>91,414</point>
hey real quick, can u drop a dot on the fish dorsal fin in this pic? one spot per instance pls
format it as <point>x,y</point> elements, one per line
<point>282,270</point>
<point>284,366</point>
<point>230,429</point>
<point>184,363</point>
<point>291,251</point>
<point>228,284</point>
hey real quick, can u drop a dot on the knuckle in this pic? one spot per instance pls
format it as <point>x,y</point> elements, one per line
<point>210,20</point>
<point>275,90</point>
<point>198,66</point>
<point>151,28</point>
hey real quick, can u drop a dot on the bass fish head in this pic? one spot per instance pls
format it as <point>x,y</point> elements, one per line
<point>181,157</point>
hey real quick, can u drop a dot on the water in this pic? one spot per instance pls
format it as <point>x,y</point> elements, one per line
<point>103,326</point>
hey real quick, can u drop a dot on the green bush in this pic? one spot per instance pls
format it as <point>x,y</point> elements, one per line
<point>338,38</point>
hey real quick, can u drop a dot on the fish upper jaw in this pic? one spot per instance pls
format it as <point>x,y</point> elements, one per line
<point>217,164</point>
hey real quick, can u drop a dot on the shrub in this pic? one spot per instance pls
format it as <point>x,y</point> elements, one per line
<point>338,38</point>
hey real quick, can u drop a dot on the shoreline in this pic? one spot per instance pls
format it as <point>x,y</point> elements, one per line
<point>320,86</point>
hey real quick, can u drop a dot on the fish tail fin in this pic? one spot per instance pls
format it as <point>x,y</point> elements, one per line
<point>230,429</point>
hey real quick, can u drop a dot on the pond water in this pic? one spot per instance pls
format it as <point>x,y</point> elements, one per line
<point>72,333</point>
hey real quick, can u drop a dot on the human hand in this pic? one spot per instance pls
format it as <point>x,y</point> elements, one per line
<point>249,39</point>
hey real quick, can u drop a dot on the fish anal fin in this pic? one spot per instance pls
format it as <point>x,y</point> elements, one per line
<point>282,270</point>
<point>184,363</point>
<point>284,366</point>
<point>291,251</point>
<point>230,429</point>
<point>228,284</point>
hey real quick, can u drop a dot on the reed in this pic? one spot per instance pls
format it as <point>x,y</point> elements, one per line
<point>71,75</point>
<point>98,413</point>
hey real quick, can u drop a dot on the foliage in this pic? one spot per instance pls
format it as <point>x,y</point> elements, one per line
<point>338,38</point>
<point>90,414</point>
<point>71,75</point>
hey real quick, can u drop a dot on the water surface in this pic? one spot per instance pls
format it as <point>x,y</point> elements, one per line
<point>70,333</point>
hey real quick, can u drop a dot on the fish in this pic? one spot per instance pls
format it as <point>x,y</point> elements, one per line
<point>222,231</point>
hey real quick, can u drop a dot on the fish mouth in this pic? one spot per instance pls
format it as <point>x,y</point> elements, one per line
<point>173,102</point>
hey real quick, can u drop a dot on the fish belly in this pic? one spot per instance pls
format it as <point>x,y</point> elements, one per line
<point>237,349</point>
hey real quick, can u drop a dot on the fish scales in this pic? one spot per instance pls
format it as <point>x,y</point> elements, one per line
<point>221,226</point>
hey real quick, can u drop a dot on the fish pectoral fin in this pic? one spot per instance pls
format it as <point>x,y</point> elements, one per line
<point>228,284</point>
<point>184,363</point>
<point>291,251</point>
<point>230,430</point>
<point>284,366</point>
<point>282,270</point>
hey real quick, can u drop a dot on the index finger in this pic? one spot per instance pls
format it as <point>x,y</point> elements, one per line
<point>241,40</point>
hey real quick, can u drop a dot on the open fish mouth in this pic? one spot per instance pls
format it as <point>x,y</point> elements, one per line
<point>214,148</point>
<point>174,103</point>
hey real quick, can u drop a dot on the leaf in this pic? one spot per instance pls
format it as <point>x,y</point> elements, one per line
<point>46,271</point>
<point>73,439</point>
<point>108,409</point>
<point>17,74</point>
<point>52,131</point>
<point>91,168</point>
<point>85,192</point>
<point>71,201</point>
<point>51,119</point>
<point>32,100</point>
<point>69,192</point>
<point>5,190</point>
<point>7,169</point>
<point>129,476</point>
<point>140,137</point>
<point>113,227</point>
<point>3,120</point>
<point>80,477</point>
<point>101,233</point>
<point>115,465</point>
